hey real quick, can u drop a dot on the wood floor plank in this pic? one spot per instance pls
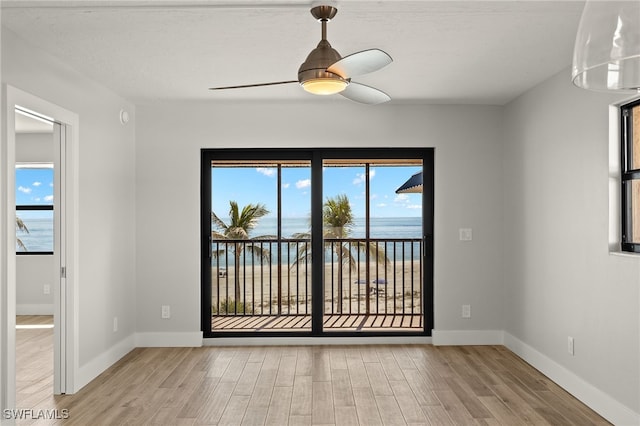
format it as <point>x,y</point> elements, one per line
<point>422,391</point>
<point>216,403</point>
<point>234,412</point>
<point>286,370</point>
<point>346,416</point>
<point>255,416</point>
<point>278,411</point>
<point>409,406</point>
<point>301,398</point>
<point>366,406</point>
<point>320,366</point>
<point>341,387</point>
<point>247,379</point>
<point>454,408</point>
<point>500,411</point>
<point>377,379</point>
<point>471,403</point>
<point>517,405</point>
<point>437,415</point>
<point>322,410</point>
<point>337,358</point>
<point>264,388</point>
<point>389,410</point>
<point>357,371</point>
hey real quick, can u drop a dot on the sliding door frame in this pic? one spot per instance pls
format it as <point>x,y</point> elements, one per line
<point>317,156</point>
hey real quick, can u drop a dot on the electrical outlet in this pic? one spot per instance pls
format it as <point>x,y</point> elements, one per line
<point>466,311</point>
<point>115,324</point>
<point>166,312</point>
<point>465,234</point>
<point>570,347</point>
<point>47,289</point>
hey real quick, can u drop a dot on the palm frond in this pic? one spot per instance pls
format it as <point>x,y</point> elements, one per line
<point>218,253</point>
<point>217,222</point>
<point>21,226</point>
<point>261,253</point>
<point>302,257</point>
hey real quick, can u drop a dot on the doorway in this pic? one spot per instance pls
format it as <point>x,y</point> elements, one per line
<point>307,242</point>
<point>63,269</point>
<point>37,240</point>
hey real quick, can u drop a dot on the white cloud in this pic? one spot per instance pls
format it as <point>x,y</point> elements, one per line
<point>36,183</point>
<point>304,183</point>
<point>381,205</point>
<point>360,177</point>
<point>48,198</point>
<point>286,185</point>
<point>266,171</point>
<point>24,190</point>
<point>401,198</point>
<point>414,206</point>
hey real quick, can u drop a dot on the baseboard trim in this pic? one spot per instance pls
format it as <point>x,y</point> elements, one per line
<point>467,337</point>
<point>95,367</point>
<point>598,401</point>
<point>310,341</point>
<point>171,339</point>
<point>34,309</point>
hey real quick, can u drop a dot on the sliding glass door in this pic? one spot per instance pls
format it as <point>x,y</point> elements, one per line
<point>373,240</point>
<point>315,242</point>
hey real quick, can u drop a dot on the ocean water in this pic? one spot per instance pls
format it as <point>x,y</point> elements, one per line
<point>381,228</point>
<point>39,237</point>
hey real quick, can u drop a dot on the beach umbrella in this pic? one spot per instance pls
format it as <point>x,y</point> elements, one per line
<point>413,185</point>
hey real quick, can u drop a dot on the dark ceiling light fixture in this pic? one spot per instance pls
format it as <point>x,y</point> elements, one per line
<point>325,72</point>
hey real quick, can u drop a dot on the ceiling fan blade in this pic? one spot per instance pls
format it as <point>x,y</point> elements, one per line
<point>244,86</point>
<point>364,94</point>
<point>360,63</point>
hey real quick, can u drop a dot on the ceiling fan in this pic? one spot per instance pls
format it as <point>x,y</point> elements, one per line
<point>325,72</point>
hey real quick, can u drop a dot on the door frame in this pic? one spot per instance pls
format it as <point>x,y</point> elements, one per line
<point>65,289</point>
<point>316,156</point>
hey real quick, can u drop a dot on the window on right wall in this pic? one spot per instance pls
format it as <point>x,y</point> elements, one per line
<point>630,136</point>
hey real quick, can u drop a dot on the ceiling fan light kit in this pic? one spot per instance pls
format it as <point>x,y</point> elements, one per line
<point>325,72</point>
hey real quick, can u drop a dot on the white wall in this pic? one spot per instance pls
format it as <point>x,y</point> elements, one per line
<point>105,195</point>
<point>468,182</point>
<point>33,272</point>
<point>560,279</point>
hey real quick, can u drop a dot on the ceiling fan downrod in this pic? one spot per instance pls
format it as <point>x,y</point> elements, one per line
<point>324,14</point>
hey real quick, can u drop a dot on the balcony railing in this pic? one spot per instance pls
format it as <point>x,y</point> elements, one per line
<point>374,277</point>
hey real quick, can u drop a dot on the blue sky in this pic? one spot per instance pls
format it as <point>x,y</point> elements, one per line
<point>34,186</point>
<point>258,185</point>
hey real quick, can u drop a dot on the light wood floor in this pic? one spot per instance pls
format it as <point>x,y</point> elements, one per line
<point>34,360</point>
<point>279,385</point>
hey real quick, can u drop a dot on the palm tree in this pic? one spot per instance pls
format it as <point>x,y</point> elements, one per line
<point>20,226</point>
<point>241,224</point>
<point>337,219</point>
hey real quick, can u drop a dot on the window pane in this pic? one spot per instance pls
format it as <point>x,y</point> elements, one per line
<point>34,186</point>
<point>260,259</point>
<point>635,138</point>
<point>34,231</point>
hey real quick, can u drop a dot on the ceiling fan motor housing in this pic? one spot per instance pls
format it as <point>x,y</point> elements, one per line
<point>316,64</point>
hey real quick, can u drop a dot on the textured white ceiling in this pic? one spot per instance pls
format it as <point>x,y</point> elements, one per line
<point>472,52</point>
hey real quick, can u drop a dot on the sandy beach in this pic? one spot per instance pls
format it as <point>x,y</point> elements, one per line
<point>390,290</point>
